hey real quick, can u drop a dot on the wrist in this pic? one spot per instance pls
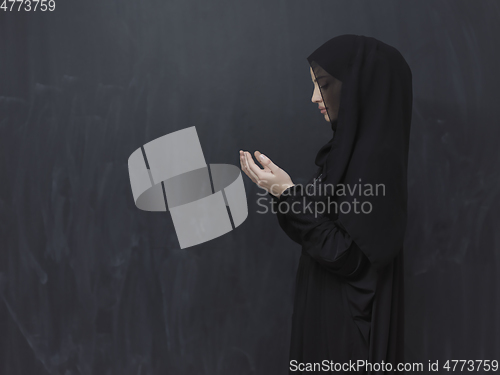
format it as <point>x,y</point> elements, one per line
<point>286,188</point>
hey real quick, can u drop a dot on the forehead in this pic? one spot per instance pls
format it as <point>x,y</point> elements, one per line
<point>312,73</point>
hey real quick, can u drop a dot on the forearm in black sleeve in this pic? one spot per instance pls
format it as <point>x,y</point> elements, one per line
<point>322,238</point>
<point>287,226</point>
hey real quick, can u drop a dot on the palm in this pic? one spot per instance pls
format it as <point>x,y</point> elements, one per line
<point>271,177</point>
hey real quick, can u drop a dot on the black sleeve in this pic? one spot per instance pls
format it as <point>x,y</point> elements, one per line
<point>324,239</point>
<point>283,222</point>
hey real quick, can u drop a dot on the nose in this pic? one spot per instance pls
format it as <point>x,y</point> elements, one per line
<point>316,97</point>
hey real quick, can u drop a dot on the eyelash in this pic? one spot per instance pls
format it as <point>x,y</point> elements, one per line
<point>323,86</point>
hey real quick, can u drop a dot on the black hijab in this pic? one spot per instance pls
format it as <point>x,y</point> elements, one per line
<point>370,141</point>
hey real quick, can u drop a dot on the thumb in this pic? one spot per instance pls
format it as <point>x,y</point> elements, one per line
<point>264,160</point>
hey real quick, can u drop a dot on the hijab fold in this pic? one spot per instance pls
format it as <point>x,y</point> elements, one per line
<point>368,151</point>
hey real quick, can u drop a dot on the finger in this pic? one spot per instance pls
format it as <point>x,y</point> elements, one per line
<point>254,176</point>
<point>254,168</point>
<point>243,164</point>
<point>264,160</point>
<point>250,171</point>
<point>257,156</point>
<point>244,167</point>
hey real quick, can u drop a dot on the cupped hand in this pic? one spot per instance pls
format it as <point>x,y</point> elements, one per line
<point>271,178</point>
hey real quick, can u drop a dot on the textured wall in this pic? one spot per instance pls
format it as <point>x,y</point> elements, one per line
<point>89,284</point>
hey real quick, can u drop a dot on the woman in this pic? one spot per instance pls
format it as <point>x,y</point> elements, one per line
<point>349,285</point>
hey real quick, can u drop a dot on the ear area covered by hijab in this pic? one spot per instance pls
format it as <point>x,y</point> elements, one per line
<point>368,152</point>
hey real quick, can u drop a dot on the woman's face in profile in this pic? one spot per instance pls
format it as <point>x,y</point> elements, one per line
<point>330,88</point>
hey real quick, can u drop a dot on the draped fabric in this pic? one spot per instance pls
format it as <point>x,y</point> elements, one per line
<point>368,152</point>
<point>348,297</point>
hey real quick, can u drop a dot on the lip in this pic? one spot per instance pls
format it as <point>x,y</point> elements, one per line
<point>323,110</point>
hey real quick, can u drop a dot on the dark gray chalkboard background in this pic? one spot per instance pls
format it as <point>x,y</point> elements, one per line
<point>92,285</point>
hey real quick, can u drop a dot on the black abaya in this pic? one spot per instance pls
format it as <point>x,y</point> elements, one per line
<point>349,285</point>
<point>337,314</point>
